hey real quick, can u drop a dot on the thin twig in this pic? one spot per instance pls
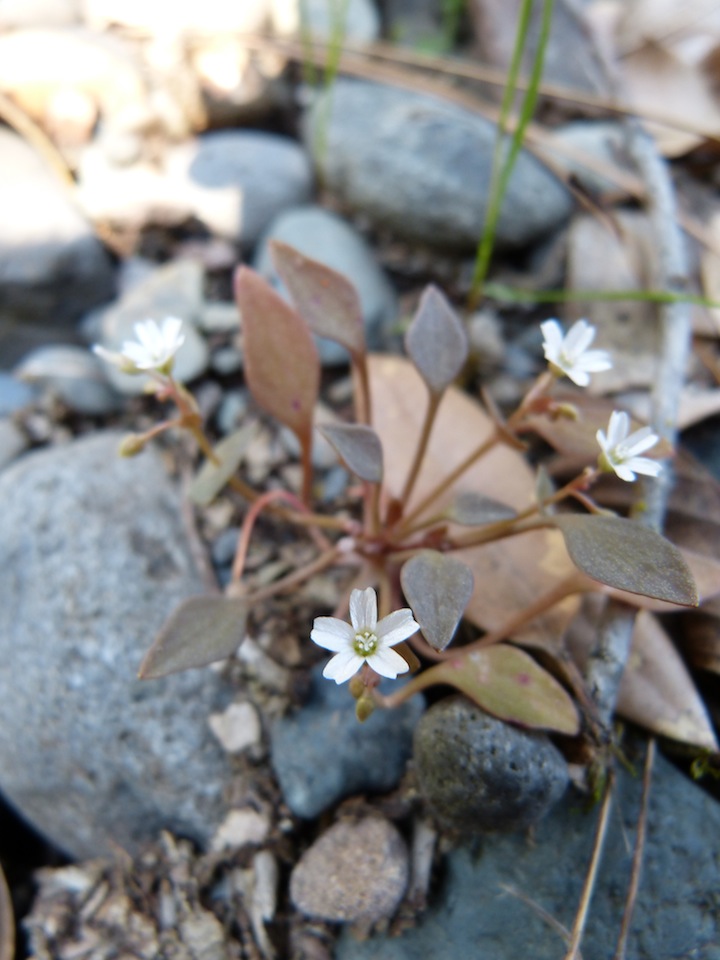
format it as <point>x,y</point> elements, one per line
<point>637,853</point>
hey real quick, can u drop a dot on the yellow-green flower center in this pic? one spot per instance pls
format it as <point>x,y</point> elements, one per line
<point>365,642</point>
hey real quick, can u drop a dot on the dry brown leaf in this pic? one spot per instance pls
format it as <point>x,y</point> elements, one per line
<point>657,691</point>
<point>701,641</point>
<point>599,259</point>
<point>695,406</point>
<point>509,574</point>
<point>710,269</point>
<point>656,80</point>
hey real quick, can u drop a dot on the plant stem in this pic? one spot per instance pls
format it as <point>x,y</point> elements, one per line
<point>297,577</point>
<point>430,414</point>
<point>361,392</point>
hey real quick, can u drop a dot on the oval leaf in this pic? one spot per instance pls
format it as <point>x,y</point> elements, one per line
<point>627,556</point>
<point>436,341</point>
<point>510,685</point>
<point>474,510</point>
<point>438,588</point>
<point>360,448</point>
<point>325,299</point>
<point>212,477</point>
<point>200,631</point>
<point>281,361</point>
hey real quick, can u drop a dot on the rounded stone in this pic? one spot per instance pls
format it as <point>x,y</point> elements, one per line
<point>95,560</point>
<point>356,871</point>
<point>477,773</point>
<point>421,167</point>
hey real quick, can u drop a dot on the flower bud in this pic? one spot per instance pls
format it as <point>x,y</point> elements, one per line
<point>131,445</point>
<point>364,708</point>
<point>357,687</point>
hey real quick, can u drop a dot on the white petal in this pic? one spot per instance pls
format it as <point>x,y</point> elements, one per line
<point>624,472</point>
<point>578,339</point>
<point>617,428</point>
<point>343,666</point>
<point>138,354</point>
<point>639,442</point>
<point>387,663</point>
<point>396,627</point>
<point>553,338</point>
<point>650,468</point>
<point>602,441</point>
<point>363,609</point>
<point>171,328</point>
<point>580,377</point>
<point>331,633</point>
<point>148,334</point>
<point>594,361</point>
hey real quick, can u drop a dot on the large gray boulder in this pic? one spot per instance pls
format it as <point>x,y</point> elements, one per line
<point>94,558</point>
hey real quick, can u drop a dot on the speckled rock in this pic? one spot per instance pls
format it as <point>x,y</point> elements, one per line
<point>477,773</point>
<point>321,753</point>
<point>95,559</point>
<point>421,166</point>
<point>675,914</point>
<point>356,871</point>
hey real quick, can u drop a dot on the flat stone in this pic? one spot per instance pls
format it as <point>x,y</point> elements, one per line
<point>477,773</point>
<point>74,375</point>
<point>356,871</point>
<point>322,753</point>
<point>214,16</point>
<point>15,395</point>
<point>474,915</point>
<point>603,142</point>
<point>96,559</point>
<point>421,166</point>
<point>52,266</point>
<point>326,237</point>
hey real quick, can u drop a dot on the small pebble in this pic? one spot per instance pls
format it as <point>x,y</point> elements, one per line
<point>237,728</point>
<point>240,828</point>
<point>356,871</point>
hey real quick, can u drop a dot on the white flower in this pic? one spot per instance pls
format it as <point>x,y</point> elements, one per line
<point>569,354</point>
<point>366,641</point>
<point>154,349</point>
<point>621,452</point>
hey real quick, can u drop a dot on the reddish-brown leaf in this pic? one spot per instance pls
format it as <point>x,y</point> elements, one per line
<point>281,360</point>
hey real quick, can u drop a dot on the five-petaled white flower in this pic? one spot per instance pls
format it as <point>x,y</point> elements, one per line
<point>366,641</point>
<point>154,349</point>
<point>621,452</point>
<point>569,354</point>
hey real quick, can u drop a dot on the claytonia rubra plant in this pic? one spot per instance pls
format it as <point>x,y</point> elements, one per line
<point>451,523</point>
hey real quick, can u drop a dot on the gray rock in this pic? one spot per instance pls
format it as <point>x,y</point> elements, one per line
<point>321,753</point>
<point>95,559</point>
<point>473,916</point>
<point>74,375</point>
<point>417,23</point>
<point>328,238</point>
<point>14,394</point>
<point>172,290</point>
<point>237,181</point>
<point>232,410</point>
<point>421,166</point>
<point>477,773</point>
<point>360,23</point>
<point>12,442</point>
<point>52,265</point>
<point>366,862</point>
